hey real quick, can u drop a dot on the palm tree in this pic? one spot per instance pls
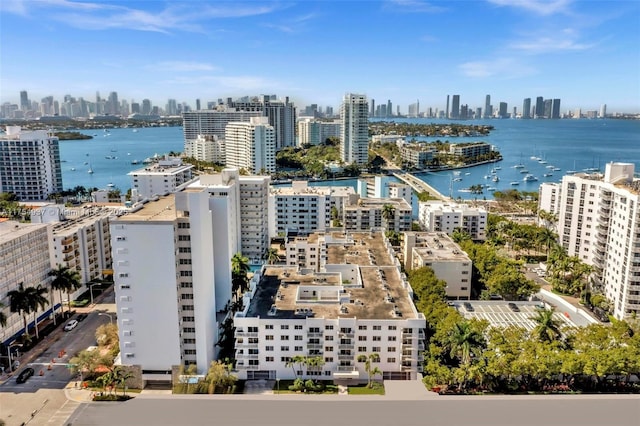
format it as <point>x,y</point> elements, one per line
<point>547,238</point>
<point>37,302</point>
<point>19,303</point>
<point>239,270</point>
<point>547,328</point>
<point>298,360</point>
<point>65,279</point>
<point>271,255</point>
<point>388,212</point>
<point>371,370</point>
<point>121,377</point>
<point>464,341</point>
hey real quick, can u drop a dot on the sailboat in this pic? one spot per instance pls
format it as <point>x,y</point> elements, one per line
<point>90,171</point>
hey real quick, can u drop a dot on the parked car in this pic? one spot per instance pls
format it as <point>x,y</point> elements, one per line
<point>25,374</point>
<point>71,325</point>
<point>514,307</point>
<point>81,317</point>
<point>468,307</point>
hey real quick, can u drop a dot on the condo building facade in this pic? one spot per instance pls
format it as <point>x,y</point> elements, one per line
<point>29,164</point>
<point>251,146</point>
<point>161,178</point>
<point>599,221</point>
<point>438,216</point>
<point>351,310</point>
<point>316,132</point>
<point>363,214</point>
<point>354,133</point>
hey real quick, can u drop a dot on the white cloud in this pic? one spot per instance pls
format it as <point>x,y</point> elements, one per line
<point>549,44</point>
<point>412,6</point>
<point>505,68</point>
<point>183,66</point>
<point>541,7</point>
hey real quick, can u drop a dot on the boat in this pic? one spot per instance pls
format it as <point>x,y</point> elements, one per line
<point>571,172</point>
<point>465,190</point>
<point>135,130</point>
<point>514,183</point>
<point>457,179</point>
<point>110,185</point>
<point>85,163</point>
<point>73,169</point>
<point>456,173</point>
<point>550,167</point>
<point>556,169</point>
<point>524,171</point>
<point>90,171</point>
<point>491,188</point>
<point>548,174</point>
<point>467,174</point>
<point>534,158</point>
<point>110,157</point>
<point>542,161</point>
<point>530,178</point>
<point>147,160</point>
<point>495,178</point>
<point>497,168</point>
<point>519,166</point>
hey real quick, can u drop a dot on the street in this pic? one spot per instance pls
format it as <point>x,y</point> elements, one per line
<point>43,394</point>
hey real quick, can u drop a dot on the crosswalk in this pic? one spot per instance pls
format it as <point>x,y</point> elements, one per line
<point>60,417</point>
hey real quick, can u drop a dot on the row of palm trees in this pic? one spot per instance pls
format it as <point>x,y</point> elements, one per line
<point>32,299</point>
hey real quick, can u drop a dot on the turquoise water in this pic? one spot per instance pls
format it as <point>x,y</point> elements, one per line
<point>566,144</point>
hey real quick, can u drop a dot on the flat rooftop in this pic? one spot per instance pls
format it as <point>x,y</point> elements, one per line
<point>161,169</point>
<point>437,246</point>
<point>302,188</point>
<point>296,293</point>
<point>162,210</point>
<point>79,217</point>
<point>11,229</point>
<point>499,314</point>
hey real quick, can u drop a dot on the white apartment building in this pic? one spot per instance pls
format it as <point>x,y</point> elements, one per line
<point>29,164</point>
<point>439,252</point>
<point>438,216</point>
<point>363,214</point>
<point>255,218</point>
<point>353,308</point>
<point>315,132</point>
<point>354,133</point>
<point>212,122</point>
<point>24,258</point>
<point>161,178</point>
<point>305,209</point>
<point>470,150</point>
<point>599,221</point>
<point>549,201</point>
<point>417,155</point>
<point>209,148</point>
<point>251,146</point>
<point>83,242</point>
<point>307,252</point>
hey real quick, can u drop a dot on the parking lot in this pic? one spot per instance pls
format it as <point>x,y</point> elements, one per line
<point>499,314</point>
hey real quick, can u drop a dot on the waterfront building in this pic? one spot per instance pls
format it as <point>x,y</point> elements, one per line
<point>304,209</point>
<point>598,221</point>
<point>196,232</point>
<point>438,216</point>
<point>539,107</point>
<point>29,164</point>
<point>24,258</point>
<point>549,201</point>
<point>82,241</point>
<point>362,214</point>
<point>548,108</point>
<point>555,108</point>
<point>358,305</point>
<point>354,133</point>
<point>502,110</point>
<point>209,148</point>
<point>603,111</point>
<point>161,178</point>
<point>316,132</point>
<point>455,107</point>
<point>417,155</point>
<point>212,122</point>
<point>470,150</point>
<point>439,252</point>
<point>251,146</point>
<point>487,107</point>
<point>384,187</point>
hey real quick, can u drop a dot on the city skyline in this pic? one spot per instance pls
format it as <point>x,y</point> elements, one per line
<point>315,52</point>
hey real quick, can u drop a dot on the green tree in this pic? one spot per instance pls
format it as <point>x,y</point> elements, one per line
<point>65,279</point>
<point>465,341</point>
<point>3,316</point>
<point>25,301</point>
<point>85,362</point>
<point>271,255</point>
<point>388,213</point>
<point>547,327</point>
<point>37,302</point>
<point>239,271</point>
<point>372,370</point>
<point>299,360</point>
<point>219,378</point>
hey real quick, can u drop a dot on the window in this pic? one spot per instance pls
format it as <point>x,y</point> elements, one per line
<point>186,284</point>
<point>297,337</point>
<point>362,348</point>
<point>189,351</point>
<point>188,319</point>
<point>185,262</point>
<point>376,349</point>
<point>377,327</point>
<point>187,307</point>
<point>186,296</point>
<point>268,337</point>
<point>391,338</point>
<point>284,348</point>
<point>186,273</point>
<point>184,249</point>
<point>268,327</point>
<point>328,359</point>
<point>328,348</point>
<point>184,237</point>
<point>362,338</point>
<point>391,360</point>
<point>268,348</point>
<point>297,327</point>
<point>189,341</point>
<point>391,349</point>
<point>298,348</point>
<point>284,327</point>
<point>392,327</point>
<point>183,225</point>
<point>285,359</point>
<point>377,338</point>
<point>269,359</point>
<point>328,327</point>
<point>362,327</point>
<point>284,337</point>
<point>188,330</point>
<point>328,338</point>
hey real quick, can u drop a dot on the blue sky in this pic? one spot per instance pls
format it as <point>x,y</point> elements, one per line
<point>585,52</point>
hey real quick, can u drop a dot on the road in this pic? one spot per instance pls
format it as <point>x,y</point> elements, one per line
<point>583,410</point>
<point>43,394</point>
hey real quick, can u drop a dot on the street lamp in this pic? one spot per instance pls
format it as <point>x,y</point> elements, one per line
<point>91,290</point>
<point>107,315</point>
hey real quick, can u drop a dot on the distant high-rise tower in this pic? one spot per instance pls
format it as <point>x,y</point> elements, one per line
<point>502,112</point>
<point>24,101</point>
<point>526,108</point>
<point>198,105</point>
<point>446,112</point>
<point>251,146</point>
<point>487,107</point>
<point>603,111</point>
<point>548,103</point>
<point>372,112</point>
<point>114,105</point>
<point>389,108</point>
<point>354,133</point>
<point>539,107</point>
<point>455,107</point>
<point>555,109</point>
<point>146,107</point>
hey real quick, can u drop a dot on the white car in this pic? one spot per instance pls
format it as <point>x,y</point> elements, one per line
<point>71,325</point>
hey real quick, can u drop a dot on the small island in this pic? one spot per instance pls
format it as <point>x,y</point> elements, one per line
<point>71,136</point>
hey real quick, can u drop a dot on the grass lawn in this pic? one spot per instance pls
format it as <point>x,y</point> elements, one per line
<point>376,389</point>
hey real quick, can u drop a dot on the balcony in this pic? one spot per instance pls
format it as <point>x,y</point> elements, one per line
<point>343,357</point>
<point>316,335</point>
<point>246,334</point>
